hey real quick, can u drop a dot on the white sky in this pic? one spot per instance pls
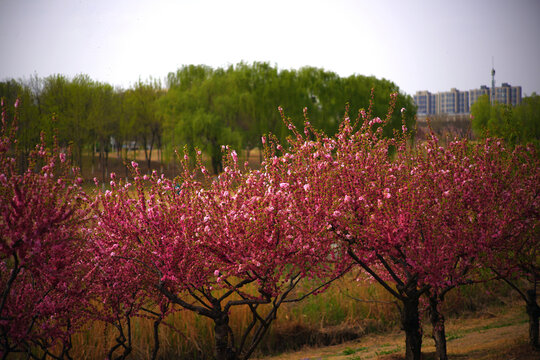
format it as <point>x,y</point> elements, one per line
<point>418,44</point>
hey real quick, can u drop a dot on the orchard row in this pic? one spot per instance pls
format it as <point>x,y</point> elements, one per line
<point>420,220</point>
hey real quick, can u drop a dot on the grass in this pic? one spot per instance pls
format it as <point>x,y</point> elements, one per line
<point>350,351</point>
<point>387,352</point>
<point>327,318</point>
<point>495,325</point>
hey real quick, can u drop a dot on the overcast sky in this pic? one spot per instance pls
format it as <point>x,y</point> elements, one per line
<point>420,45</point>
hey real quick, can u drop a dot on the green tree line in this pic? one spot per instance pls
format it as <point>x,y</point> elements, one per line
<point>516,124</point>
<point>198,106</point>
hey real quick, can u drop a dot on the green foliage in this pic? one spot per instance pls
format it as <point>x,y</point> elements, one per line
<point>28,122</point>
<point>201,107</point>
<point>235,106</point>
<point>142,119</point>
<point>518,125</point>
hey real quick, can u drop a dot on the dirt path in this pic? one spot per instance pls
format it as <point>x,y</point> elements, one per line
<point>496,334</point>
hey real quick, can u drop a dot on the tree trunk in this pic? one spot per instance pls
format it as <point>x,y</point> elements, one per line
<point>437,321</point>
<point>79,155</point>
<point>221,335</point>
<point>534,312</point>
<point>410,321</point>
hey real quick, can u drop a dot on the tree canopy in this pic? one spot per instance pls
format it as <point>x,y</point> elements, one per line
<point>517,125</point>
<point>199,107</point>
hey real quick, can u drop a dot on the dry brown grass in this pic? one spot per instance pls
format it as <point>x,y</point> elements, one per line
<point>333,317</point>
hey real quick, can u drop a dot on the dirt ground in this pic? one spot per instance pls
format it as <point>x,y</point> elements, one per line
<point>491,334</point>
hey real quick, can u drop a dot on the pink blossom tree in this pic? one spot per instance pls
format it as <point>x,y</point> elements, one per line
<point>247,238</point>
<point>117,301</point>
<point>42,295</point>
<point>472,201</point>
<point>417,220</point>
<point>367,186</point>
<point>513,254</point>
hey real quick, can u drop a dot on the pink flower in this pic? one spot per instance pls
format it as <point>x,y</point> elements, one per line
<point>17,103</point>
<point>134,164</point>
<point>402,110</point>
<point>306,187</point>
<point>234,156</point>
<point>284,186</point>
<point>216,273</point>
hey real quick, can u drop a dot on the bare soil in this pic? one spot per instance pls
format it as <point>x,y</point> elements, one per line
<point>498,333</point>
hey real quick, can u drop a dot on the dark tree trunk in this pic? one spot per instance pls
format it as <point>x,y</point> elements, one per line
<point>437,321</point>
<point>410,321</point>
<point>534,312</point>
<point>216,165</point>
<point>222,332</point>
<point>79,156</point>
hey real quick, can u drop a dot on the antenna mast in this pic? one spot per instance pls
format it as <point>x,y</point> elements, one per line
<point>492,81</point>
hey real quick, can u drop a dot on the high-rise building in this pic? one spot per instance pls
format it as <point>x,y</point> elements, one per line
<point>477,93</point>
<point>452,102</point>
<point>426,102</point>
<point>506,94</point>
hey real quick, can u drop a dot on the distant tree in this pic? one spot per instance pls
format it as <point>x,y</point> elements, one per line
<point>66,105</point>
<point>244,99</point>
<point>517,125</point>
<point>28,120</point>
<point>145,122</point>
<point>191,111</point>
<point>527,119</point>
<point>102,120</point>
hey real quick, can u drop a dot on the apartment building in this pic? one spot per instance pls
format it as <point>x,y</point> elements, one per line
<point>456,102</point>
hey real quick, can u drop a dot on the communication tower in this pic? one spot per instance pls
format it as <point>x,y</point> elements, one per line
<point>492,97</point>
